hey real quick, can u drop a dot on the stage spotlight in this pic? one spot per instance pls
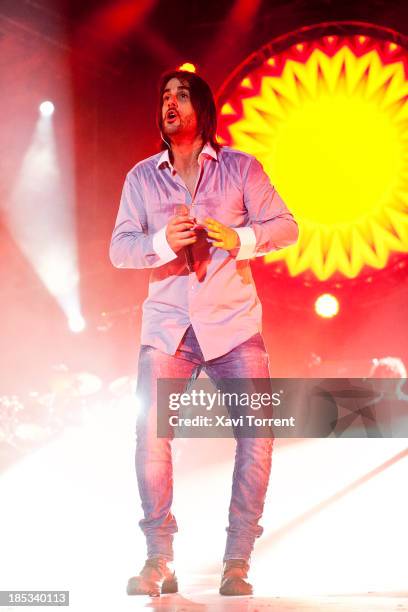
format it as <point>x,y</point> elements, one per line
<point>187,67</point>
<point>48,240</point>
<point>76,324</point>
<point>327,306</point>
<point>46,108</point>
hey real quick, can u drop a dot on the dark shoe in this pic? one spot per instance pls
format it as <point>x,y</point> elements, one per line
<point>155,578</point>
<point>233,578</point>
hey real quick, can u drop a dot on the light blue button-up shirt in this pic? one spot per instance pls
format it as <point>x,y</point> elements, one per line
<point>218,297</point>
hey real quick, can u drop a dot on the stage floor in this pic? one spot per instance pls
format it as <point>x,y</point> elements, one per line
<point>335,534</point>
<point>195,599</point>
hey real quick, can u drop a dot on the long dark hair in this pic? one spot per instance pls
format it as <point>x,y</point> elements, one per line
<point>203,103</point>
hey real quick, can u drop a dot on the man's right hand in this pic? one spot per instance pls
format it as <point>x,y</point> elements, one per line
<point>179,232</point>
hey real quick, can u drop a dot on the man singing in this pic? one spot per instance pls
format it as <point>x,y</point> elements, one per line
<point>195,214</point>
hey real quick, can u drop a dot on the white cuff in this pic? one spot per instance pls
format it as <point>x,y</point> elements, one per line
<point>162,247</point>
<point>248,242</point>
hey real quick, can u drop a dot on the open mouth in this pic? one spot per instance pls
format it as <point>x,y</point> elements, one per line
<point>171,116</point>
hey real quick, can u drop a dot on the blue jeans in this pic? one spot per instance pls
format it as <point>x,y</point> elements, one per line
<point>153,455</point>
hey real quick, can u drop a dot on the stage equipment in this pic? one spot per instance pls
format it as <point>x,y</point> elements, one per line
<point>325,111</point>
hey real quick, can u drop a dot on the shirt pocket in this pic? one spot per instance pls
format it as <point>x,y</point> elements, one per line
<point>206,204</point>
<point>159,214</point>
<point>225,206</point>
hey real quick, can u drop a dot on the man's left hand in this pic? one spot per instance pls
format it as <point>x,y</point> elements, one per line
<point>223,237</point>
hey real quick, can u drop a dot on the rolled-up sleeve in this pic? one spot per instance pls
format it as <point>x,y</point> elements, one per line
<point>272,223</point>
<point>131,245</point>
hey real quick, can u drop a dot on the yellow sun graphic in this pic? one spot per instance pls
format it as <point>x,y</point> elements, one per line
<point>329,122</point>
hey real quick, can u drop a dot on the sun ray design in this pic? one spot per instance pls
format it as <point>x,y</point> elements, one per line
<point>329,122</point>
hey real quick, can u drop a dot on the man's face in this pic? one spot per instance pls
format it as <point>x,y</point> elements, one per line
<point>178,114</point>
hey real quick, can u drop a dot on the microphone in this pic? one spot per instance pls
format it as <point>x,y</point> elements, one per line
<point>182,209</point>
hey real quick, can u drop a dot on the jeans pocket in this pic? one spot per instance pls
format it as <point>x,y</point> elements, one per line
<point>256,341</point>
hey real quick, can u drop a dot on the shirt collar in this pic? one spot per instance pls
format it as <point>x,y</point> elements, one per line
<point>206,151</point>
